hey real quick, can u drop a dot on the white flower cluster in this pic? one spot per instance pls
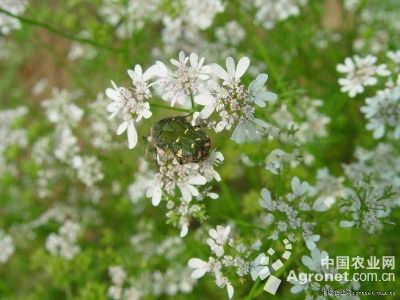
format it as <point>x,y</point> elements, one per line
<point>351,5</point>
<point>270,12</point>
<point>88,169</point>
<point>184,29</point>
<point>6,247</point>
<point>360,72</point>
<point>129,16</point>
<point>394,56</point>
<point>118,277</point>
<point>300,124</point>
<point>190,83</point>
<point>63,243</point>
<point>11,135</point>
<point>187,178</point>
<point>180,85</point>
<point>328,188</point>
<point>8,134</point>
<point>79,50</point>
<point>59,213</point>
<point>381,162</point>
<point>232,33</point>
<point>226,255</point>
<point>131,103</point>
<point>233,103</point>
<point>293,126</point>
<point>377,25</point>
<point>368,206</point>
<point>172,175</point>
<point>187,86</point>
<point>314,124</point>
<point>292,220</point>
<point>62,111</point>
<point>175,279</point>
<point>16,7</point>
<point>277,159</point>
<point>383,111</point>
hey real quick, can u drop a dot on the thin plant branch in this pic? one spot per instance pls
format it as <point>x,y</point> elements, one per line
<point>59,32</point>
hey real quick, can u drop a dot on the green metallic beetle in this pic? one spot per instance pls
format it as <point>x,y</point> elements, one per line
<point>177,137</point>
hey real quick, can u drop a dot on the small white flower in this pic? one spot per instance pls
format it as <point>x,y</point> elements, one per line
<point>218,237</point>
<point>8,23</point>
<point>299,188</point>
<point>184,229</point>
<point>129,126</point>
<point>394,56</point>
<point>131,103</point>
<point>222,281</point>
<point>6,247</point>
<point>311,241</point>
<point>201,267</point>
<point>360,72</point>
<point>184,83</point>
<point>117,274</point>
<point>232,73</point>
<point>258,92</point>
<point>266,199</point>
<point>249,129</point>
<point>155,192</point>
<point>382,111</point>
<point>268,13</point>
<point>63,243</point>
<point>230,289</point>
<point>220,234</point>
<point>188,188</point>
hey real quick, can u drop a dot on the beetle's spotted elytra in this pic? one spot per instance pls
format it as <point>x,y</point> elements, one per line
<point>179,138</point>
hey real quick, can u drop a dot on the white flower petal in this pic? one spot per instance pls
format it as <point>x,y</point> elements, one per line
<point>197,263</point>
<point>184,231</point>
<point>150,72</point>
<point>156,198</point>
<point>186,195</point>
<point>198,273</point>
<point>132,135</point>
<point>197,180</point>
<point>113,94</point>
<point>258,83</point>
<point>122,127</point>
<point>204,99</point>
<point>220,72</point>
<point>242,67</point>
<point>194,59</point>
<point>230,290</point>
<point>230,67</point>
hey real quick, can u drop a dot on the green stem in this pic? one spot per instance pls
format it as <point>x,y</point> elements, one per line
<point>171,107</point>
<point>253,289</point>
<point>68,292</point>
<point>192,100</point>
<point>59,32</point>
